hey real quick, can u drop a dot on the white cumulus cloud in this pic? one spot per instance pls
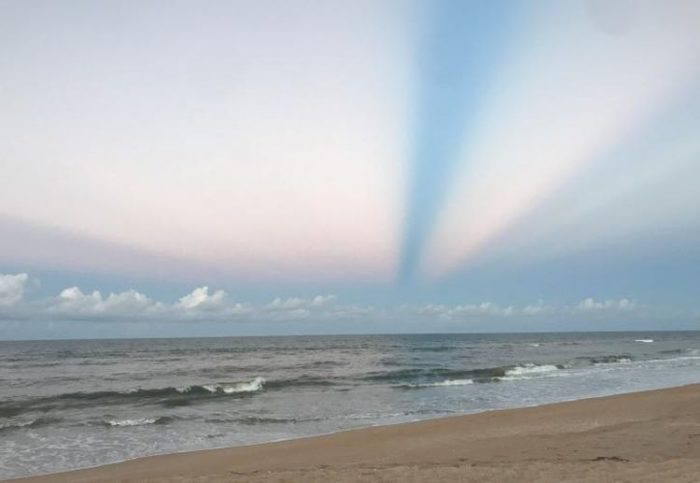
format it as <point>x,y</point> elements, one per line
<point>201,304</point>
<point>295,308</point>
<point>130,303</point>
<point>12,288</point>
<point>200,299</point>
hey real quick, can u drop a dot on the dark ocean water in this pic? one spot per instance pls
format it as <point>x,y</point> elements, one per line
<point>71,404</point>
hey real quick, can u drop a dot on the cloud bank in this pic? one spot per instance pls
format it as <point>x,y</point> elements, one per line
<point>73,303</point>
<point>203,304</point>
<point>588,306</point>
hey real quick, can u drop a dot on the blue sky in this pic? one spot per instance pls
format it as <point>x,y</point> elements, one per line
<point>324,167</point>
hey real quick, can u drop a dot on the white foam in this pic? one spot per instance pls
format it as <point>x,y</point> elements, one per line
<point>647,341</point>
<point>131,422</point>
<point>250,386</point>
<point>246,386</point>
<point>451,382</point>
<point>445,383</point>
<point>530,369</point>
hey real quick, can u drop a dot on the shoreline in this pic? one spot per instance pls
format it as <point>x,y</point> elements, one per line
<point>329,433</point>
<point>456,447</point>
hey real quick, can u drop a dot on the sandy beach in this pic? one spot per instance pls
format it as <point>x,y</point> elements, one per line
<point>646,436</point>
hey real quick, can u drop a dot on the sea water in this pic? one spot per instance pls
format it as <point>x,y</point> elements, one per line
<point>72,404</point>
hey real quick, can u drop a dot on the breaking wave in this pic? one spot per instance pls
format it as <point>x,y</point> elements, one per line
<point>431,375</point>
<point>240,387</point>
<point>30,423</point>
<point>447,382</point>
<point>420,378</point>
<point>531,369</point>
<point>166,396</point>
<point>137,421</point>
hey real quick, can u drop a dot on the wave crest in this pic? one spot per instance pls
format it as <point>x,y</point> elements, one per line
<point>131,422</point>
<point>31,423</point>
<point>445,383</point>
<point>165,396</point>
<point>254,385</point>
<point>529,369</point>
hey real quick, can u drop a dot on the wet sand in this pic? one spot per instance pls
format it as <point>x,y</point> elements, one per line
<point>649,436</point>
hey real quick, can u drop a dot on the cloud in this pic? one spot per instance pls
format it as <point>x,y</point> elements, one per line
<point>301,303</point>
<point>72,302</point>
<point>203,304</point>
<point>12,288</point>
<point>199,304</point>
<point>539,309</point>
<point>199,299</point>
<point>591,305</point>
<point>320,306</point>
<point>450,312</point>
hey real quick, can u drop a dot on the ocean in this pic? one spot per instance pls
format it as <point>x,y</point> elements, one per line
<point>80,403</point>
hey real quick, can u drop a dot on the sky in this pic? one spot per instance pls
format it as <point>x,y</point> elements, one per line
<point>238,168</point>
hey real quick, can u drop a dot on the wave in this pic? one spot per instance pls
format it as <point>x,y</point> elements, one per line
<point>166,396</point>
<point>301,381</point>
<point>137,421</point>
<point>647,341</point>
<point>530,369</point>
<point>30,423</point>
<point>440,348</point>
<point>162,420</point>
<point>613,359</point>
<point>447,382</point>
<point>240,387</point>
<point>253,420</point>
<point>417,378</point>
<point>431,374</point>
<point>607,359</point>
<point>392,375</point>
<point>25,365</point>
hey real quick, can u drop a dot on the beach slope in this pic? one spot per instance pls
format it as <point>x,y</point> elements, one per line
<point>646,436</point>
